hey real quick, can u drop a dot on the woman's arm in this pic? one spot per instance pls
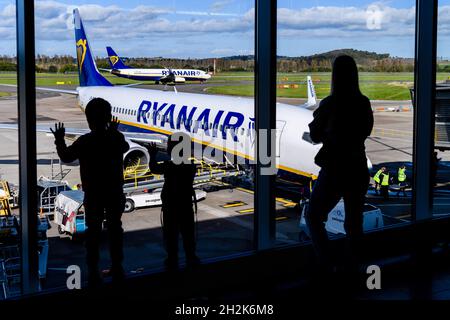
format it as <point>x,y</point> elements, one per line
<point>317,126</point>
<point>370,120</point>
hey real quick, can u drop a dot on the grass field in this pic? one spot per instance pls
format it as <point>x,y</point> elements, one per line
<point>52,79</point>
<point>377,86</point>
<point>375,91</point>
<point>4,94</point>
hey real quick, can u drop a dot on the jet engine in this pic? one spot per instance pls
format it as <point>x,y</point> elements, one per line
<point>136,160</point>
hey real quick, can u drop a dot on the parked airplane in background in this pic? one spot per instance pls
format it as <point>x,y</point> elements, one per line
<point>221,122</point>
<point>163,76</point>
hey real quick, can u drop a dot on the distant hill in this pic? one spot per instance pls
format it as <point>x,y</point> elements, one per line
<point>358,55</point>
<point>361,57</point>
<point>322,62</point>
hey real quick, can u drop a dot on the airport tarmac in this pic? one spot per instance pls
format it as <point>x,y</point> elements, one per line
<point>225,217</point>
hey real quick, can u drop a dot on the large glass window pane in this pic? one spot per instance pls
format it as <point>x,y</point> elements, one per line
<point>9,159</point>
<point>380,37</point>
<point>186,63</point>
<point>440,177</point>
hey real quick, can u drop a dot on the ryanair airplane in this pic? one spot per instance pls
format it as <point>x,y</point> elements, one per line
<point>222,123</point>
<point>163,76</point>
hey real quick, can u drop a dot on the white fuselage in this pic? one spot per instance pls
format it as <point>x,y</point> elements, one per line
<point>222,122</point>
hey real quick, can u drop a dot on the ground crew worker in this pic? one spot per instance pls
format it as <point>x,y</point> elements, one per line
<point>376,178</point>
<point>76,186</point>
<point>385,181</point>
<point>401,177</point>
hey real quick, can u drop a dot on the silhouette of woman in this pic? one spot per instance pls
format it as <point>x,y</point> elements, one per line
<point>342,123</point>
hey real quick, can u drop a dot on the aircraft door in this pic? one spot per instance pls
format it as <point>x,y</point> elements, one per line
<point>280,127</point>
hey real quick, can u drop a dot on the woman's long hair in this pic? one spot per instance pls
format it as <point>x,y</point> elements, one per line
<point>344,78</point>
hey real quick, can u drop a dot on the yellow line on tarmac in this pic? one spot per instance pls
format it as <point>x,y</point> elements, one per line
<point>235,204</point>
<point>281,218</point>
<point>246,211</point>
<point>245,190</point>
<point>287,203</point>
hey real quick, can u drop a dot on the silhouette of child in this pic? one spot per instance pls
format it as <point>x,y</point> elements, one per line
<point>177,198</point>
<point>100,154</point>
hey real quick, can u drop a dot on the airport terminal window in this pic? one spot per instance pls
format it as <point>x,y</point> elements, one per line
<point>225,212</point>
<point>384,50</point>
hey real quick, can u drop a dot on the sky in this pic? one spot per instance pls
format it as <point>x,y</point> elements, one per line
<point>216,28</point>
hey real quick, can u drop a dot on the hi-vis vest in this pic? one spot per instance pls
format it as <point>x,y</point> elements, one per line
<point>401,174</point>
<point>376,177</point>
<point>385,181</point>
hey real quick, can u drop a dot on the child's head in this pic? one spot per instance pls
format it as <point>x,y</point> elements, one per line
<point>98,114</point>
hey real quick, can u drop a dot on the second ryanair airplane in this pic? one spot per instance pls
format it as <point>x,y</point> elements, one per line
<point>164,76</point>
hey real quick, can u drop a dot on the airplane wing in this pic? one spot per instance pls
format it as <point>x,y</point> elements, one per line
<point>72,133</point>
<point>131,85</point>
<point>46,129</point>
<point>72,92</point>
<point>106,70</point>
<point>146,138</point>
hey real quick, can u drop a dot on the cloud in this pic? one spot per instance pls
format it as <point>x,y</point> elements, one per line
<point>376,19</point>
<point>220,5</point>
<point>151,23</point>
<point>54,21</point>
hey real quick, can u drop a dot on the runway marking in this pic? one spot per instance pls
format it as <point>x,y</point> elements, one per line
<point>203,207</point>
<point>286,203</point>
<point>246,211</point>
<point>234,204</point>
<point>245,190</point>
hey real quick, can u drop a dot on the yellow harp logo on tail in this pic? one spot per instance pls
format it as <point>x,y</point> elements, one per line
<point>114,60</point>
<point>81,52</point>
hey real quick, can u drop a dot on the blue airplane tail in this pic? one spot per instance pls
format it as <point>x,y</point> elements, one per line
<point>114,60</point>
<point>87,69</point>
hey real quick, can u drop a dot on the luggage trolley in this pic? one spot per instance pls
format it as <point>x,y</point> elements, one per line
<point>69,213</point>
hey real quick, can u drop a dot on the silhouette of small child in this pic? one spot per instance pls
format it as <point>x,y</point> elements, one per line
<point>100,154</point>
<point>177,201</point>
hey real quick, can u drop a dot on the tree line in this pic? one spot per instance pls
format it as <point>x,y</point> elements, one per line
<point>367,61</point>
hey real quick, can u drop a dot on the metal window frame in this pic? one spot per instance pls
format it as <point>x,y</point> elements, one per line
<point>26,96</point>
<point>265,118</point>
<point>424,100</point>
